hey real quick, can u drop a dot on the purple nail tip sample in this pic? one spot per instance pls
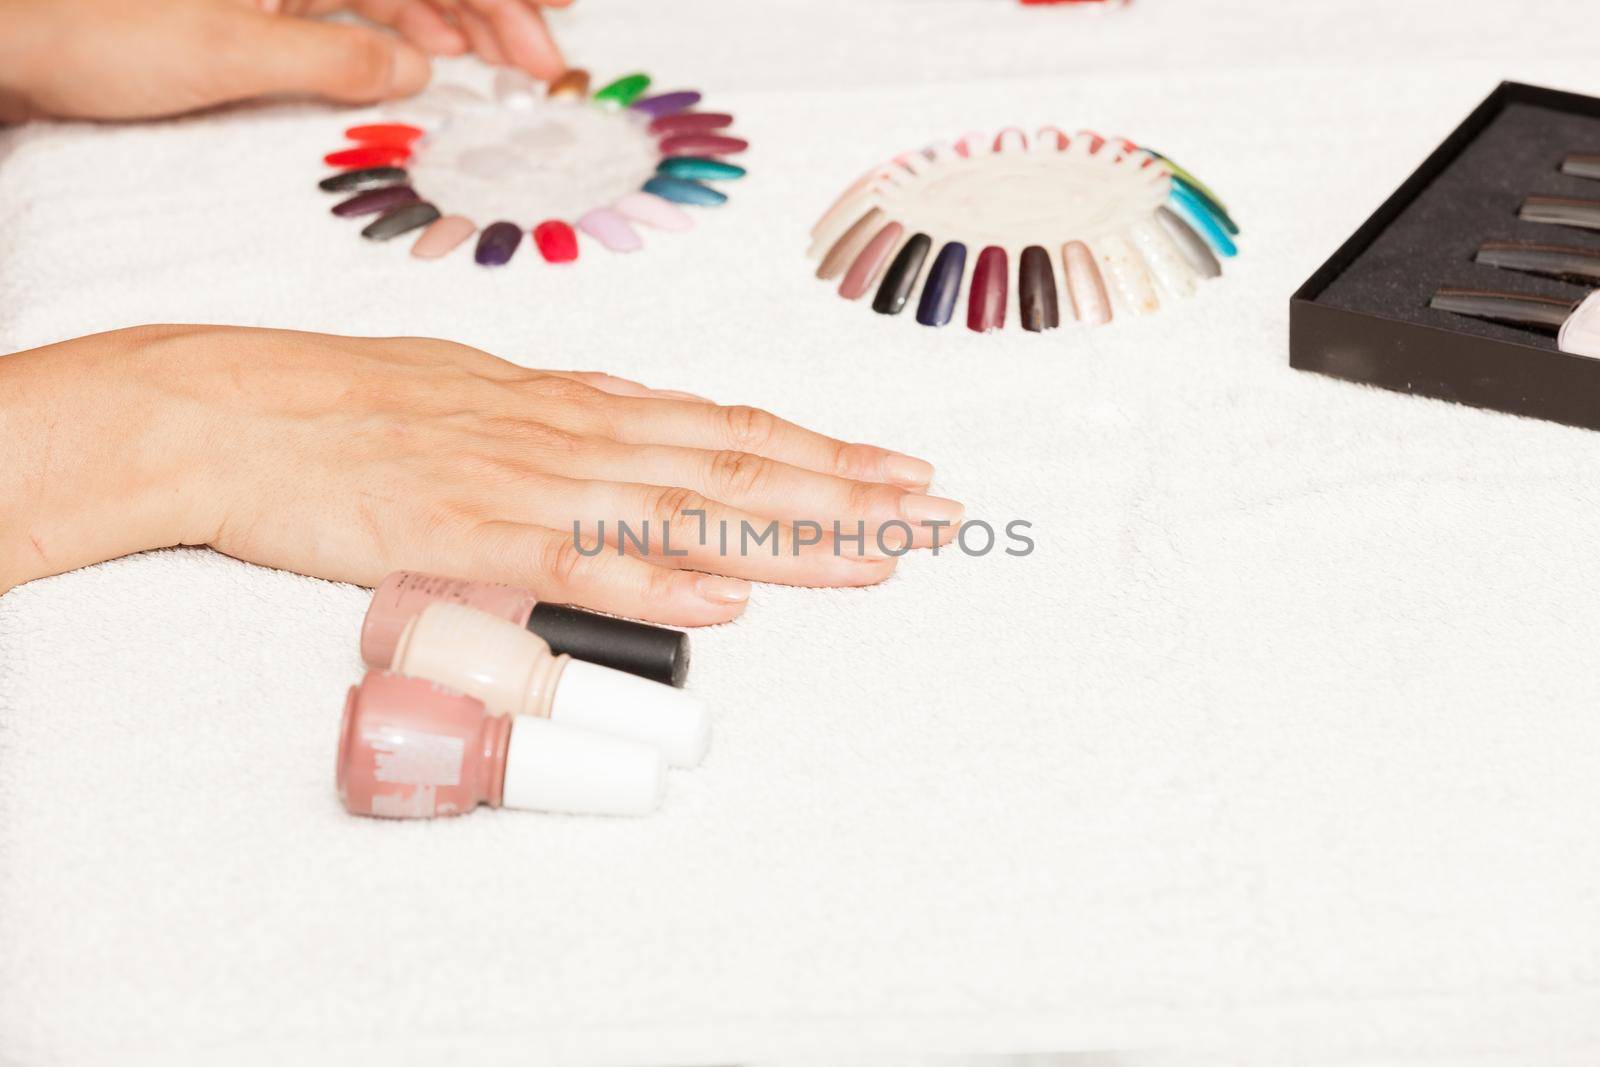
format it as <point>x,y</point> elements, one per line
<point>375,200</point>
<point>667,103</point>
<point>498,243</point>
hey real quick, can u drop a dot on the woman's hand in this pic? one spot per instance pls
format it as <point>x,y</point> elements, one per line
<point>346,458</point>
<point>112,59</point>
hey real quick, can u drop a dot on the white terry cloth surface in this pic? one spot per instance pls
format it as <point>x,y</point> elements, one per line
<point>1283,741</point>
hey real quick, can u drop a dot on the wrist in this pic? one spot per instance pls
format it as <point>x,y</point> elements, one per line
<point>106,456</point>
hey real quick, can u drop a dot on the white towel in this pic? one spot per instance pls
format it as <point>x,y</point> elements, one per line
<point>1283,740</point>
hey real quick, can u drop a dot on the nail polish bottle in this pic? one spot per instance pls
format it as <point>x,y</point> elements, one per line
<point>514,672</point>
<point>410,748</point>
<point>653,652</point>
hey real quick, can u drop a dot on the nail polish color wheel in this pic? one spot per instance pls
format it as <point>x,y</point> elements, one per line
<point>552,160</point>
<point>1126,227</point>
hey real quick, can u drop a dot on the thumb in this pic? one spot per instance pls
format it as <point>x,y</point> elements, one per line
<point>342,61</point>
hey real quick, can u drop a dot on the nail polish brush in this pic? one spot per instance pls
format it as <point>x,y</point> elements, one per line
<point>1576,323</point>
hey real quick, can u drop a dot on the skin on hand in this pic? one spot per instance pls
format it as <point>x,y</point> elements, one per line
<point>116,59</point>
<point>346,458</point>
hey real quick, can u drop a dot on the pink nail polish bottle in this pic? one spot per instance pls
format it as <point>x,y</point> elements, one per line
<point>514,673</point>
<point>654,652</point>
<point>410,748</point>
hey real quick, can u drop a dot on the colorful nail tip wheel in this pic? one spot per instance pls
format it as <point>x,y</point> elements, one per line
<point>443,236</point>
<point>526,145</point>
<point>569,85</point>
<point>368,156</point>
<point>690,122</point>
<point>403,219</point>
<point>394,134</point>
<point>681,191</point>
<point>698,168</point>
<point>497,244</point>
<point>667,103</point>
<point>702,144</point>
<point>373,201</point>
<point>556,241</point>
<point>624,90</point>
<point>352,181</point>
<point>1084,228</point>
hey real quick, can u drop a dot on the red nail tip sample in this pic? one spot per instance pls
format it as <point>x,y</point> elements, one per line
<point>368,156</point>
<point>690,122</point>
<point>702,144</point>
<point>986,306</point>
<point>556,241</point>
<point>396,134</point>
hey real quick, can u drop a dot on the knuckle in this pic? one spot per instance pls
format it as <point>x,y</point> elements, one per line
<point>558,560</point>
<point>749,429</point>
<point>864,499</point>
<point>847,460</point>
<point>738,473</point>
<point>660,585</point>
<point>368,60</point>
<point>668,504</point>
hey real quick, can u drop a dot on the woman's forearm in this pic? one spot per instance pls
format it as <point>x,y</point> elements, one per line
<point>98,456</point>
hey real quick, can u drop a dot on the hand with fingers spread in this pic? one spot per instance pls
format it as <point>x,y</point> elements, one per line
<point>347,458</point>
<point>114,59</point>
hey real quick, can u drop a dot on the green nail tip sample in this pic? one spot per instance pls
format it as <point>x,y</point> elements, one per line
<point>624,90</point>
<point>682,191</point>
<point>699,168</point>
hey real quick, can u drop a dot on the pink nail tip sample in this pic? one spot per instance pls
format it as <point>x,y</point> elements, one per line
<point>611,230</point>
<point>690,122</point>
<point>443,236</point>
<point>702,144</point>
<point>863,273</point>
<point>653,211</point>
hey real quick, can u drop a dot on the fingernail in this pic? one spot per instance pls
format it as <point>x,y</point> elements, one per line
<point>682,191</point>
<point>849,244</point>
<point>702,144</point>
<point>556,241</point>
<point>611,230</point>
<point>653,211</point>
<point>904,470</point>
<point>901,277</point>
<point>374,201</point>
<point>721,590</point>
<point>623,91</point>
<point>691,122</point>
<point>1036,291</point>
<point>1126,272</point>
<point>1090,303</point>
<point>864,271</point>
<point>403,219</point>
<point>443,236</point>
<point>497,244</point>
<point>667,103</point>
<point>943,288</point>
<point>699,168</point>
<point>409,72</point>
<point>986,306</point>
<point>572,84</point>
<point>919,508</point>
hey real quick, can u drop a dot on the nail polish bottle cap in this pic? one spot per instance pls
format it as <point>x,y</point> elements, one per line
<point>551,767</point>
<point>598,698</point>
<point>1580,334</point>
<point>655,652</point>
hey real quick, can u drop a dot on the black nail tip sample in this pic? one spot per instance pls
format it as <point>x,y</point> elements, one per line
<point>1036,291</point>
<point>943,288</point>
<point>901,277</point>
<point>367,178</point>
<point>402,219</point>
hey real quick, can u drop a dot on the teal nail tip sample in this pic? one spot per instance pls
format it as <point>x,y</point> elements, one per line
<point>1191,208</point>
<point>683,191</point>
<point>1209,203</point>
<point>699,168</point>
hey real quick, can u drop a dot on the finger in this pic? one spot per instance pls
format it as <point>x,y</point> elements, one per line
<point>523,36</point>
<point>549,563</point>
<point>762,486</point>
<point>678,527</point>
<point>616,386</point>
<point>342,61</point>
<point>747,429</point>
<point>481,36</point>
<point>418,22</point>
